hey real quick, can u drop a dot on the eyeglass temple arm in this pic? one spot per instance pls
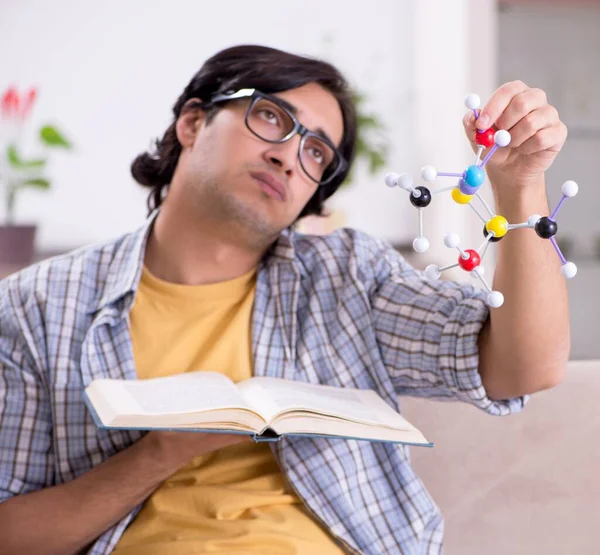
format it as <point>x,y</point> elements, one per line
<point>242,93</point>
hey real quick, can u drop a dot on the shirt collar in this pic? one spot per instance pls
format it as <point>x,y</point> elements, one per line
<point>125,268</point>
<point>283,249</point>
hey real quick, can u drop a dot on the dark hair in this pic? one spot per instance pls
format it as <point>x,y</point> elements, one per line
<point>247,66</point>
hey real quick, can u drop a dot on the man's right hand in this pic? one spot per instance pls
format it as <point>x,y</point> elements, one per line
<point>179,448</point>
<point>99,498</point>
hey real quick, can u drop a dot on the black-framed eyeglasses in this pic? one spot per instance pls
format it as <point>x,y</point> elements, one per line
<point>270,118</point>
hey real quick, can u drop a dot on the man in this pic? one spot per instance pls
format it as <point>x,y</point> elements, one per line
<point>216,279</point>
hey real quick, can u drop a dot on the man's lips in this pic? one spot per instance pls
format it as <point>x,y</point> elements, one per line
<point>271,183</point>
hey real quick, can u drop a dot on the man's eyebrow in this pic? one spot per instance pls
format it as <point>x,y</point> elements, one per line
<point>294,110</point>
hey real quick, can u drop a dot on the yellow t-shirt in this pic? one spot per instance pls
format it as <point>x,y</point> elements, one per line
<point>234,500</point>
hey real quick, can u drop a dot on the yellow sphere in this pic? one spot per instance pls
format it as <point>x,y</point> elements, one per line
<point>498,226</point>
<point>460,198</point>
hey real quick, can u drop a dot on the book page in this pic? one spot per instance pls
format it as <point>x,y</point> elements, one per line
<point>274,396</point>
<point>296,424</point>
<point>182,393</point>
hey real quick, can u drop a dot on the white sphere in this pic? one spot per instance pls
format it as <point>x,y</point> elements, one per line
<point>472,101</point>
<point>569,270</point>
<point>421,244</point>
<point>405,181</point>
<point>502,137</point>
<point>429,173</point>
<point>532,220</point>
<point>569,188</point>
<point>391,179</point>
<point>495,299</point>
<point>432,272</point>
<point>451,240</point>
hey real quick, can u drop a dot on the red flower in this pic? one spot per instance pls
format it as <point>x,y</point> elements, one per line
<point>15,105</point>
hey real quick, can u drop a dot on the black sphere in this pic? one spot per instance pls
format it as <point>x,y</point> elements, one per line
<point>424,200</point>
<point>546,228</point>
<point>485,234</point>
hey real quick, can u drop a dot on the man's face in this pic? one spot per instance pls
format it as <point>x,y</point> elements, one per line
<point>228,168</point>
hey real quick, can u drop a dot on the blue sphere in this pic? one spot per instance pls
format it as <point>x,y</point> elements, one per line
<point>474,176</point>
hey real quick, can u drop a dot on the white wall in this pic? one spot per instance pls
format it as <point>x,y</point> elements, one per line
<point>450,61</point>
<point>110,71</point>
<point>557,48</point>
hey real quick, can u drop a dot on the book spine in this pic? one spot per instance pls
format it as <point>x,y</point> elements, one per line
<point>268,434</point>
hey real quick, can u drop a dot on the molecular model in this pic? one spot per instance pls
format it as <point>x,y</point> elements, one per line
<point>495,227</point>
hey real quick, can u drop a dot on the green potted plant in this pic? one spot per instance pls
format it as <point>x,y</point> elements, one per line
<point>18,172</point>
<point>371,146</point>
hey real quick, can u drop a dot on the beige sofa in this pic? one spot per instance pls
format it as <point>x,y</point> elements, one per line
<point>522,484</point>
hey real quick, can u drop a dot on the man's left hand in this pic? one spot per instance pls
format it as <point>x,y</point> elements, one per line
<point>537,135</point>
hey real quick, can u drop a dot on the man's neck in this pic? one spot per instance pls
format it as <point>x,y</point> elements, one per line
<point>181,249</point>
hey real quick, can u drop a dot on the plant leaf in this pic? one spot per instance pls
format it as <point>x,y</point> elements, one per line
<point>368,121</point>
<point>358,97</point>
<point>52,137</point>
<point>376,162</point>
<point>38,182</point>
<point>17,163</point>
<point>372,151</point>
<point>361,146</point>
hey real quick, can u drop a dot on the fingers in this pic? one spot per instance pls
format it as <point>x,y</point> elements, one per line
<point>520,106</point>
<point>551,139</point>
<point>469,125</point>
<point>532,123</point>
<point>498,103</point>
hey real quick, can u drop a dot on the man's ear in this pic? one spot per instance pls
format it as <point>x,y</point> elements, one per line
<point>189,122</point>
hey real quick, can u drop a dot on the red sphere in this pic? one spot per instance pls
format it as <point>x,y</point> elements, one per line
<point>469,264</point>
<point>485,138</point>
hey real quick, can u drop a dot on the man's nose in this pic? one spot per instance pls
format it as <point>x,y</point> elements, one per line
<point>284,155</point>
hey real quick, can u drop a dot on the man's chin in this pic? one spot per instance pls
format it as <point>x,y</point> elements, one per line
<point>257,220</point>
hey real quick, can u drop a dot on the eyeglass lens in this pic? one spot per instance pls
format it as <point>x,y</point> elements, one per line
<point>272,123</point>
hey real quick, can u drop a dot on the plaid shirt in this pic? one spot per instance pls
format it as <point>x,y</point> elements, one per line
<point>343,310</point>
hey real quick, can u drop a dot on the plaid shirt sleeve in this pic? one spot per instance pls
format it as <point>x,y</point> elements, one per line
<point>25,416</point>
<point>428,332</point>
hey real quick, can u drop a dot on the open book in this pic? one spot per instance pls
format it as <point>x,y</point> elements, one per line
<point>266,408</point>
